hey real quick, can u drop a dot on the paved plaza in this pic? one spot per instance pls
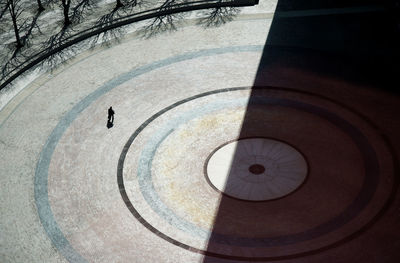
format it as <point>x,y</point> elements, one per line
<point>226,146</point>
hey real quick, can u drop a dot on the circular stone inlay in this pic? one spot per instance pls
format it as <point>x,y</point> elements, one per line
<point>256,169</point>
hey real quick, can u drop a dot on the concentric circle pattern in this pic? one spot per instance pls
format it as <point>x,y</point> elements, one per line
<point>344,189</point>
<point>200,165</point>
<point>256,169</point>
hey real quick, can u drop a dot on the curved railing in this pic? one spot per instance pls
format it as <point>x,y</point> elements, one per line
<point>118,22</point>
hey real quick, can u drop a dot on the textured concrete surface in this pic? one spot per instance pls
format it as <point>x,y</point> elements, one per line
<point>74,190</point>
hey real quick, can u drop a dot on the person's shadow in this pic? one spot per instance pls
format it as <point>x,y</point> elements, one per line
<point>109,124</point>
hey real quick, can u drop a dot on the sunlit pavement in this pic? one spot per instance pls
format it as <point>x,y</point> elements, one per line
<point>74,190</point>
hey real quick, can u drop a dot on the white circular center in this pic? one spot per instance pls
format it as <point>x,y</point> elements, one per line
<point>256,169</point>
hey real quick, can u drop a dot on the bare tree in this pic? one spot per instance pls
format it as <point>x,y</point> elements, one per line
<point>218,16</point>
<point>164,23</point>
<point>29,29</point>
<point>40,6</point>
<point>119,4</point>
<point>74,11</point>
<point>82,8</point>
<point>66,5</point>
<point>121,9</point>
<point>25,25</point>
<point>3,8</point>
<point>15,9</point>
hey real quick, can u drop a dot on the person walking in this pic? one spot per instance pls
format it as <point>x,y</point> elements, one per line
<point>111,115</point>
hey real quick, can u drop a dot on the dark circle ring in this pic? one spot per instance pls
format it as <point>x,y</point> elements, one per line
<point>360,202</point>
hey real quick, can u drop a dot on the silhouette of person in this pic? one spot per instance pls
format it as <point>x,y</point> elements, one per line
<point>110,118</point>
<point>111,115</point>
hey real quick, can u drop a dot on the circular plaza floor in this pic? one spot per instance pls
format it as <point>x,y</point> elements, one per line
<point>210,158</point>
